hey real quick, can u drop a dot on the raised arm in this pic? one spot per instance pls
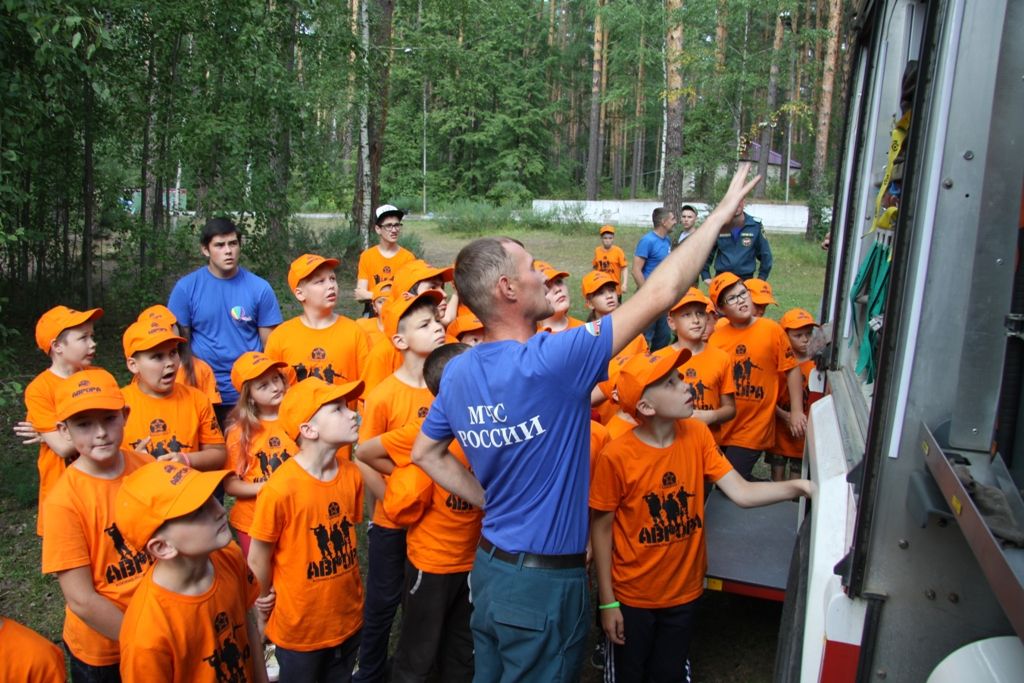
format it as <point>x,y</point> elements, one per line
<point>678,271</point>
<point>434,459</point>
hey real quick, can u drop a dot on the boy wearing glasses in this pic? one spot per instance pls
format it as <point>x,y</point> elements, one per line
<point>380,263</point>
<point>760,356</point>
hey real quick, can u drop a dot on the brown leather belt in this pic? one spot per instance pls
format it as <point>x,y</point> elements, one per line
<point>533,561</point>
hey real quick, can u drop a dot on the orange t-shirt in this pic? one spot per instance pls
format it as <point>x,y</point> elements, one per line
<point>269,448</point>
<point>381,363</point>
<point>41,411</point>
<point>311,524</point>
<point>181,422</point>
<point>374,267</point>
<point>390,405</point>
<point>785,442</point>
<point>79,531</point>
<point>206,381</point>
<point>27,657</point>
<point>573,322</point>
<point>371,327</point>
<point>335,354</point>
<point>617,426</point>
<point>657,494</point>
<point>598,439</point>
<point>710,374</point>
<point>168,636</point>
<point>610,261</point>
<point>757,354</point>
<point>443,528</point>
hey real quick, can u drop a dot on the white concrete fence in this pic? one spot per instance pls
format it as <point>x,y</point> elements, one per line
<point>785,218</point>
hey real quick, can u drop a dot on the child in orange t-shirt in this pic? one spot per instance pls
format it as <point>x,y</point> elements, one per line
<point>192,618</point>
<point>320,342</point>
<point>411,322</point>
<point>414,278</point>
<point>27,657</point>
<point>609,258</point>
<point>708,370</point>
<point>304,540</point>
<point>788,450</point>
<point>760,356</point>
<point>647,502</point>
<point>466,329</point>
<point>256,440</point>
<point>761,295</point>
<point>557,294</point>
<point>380,263</point>
<point>193,372</point>
<point>443,532</point>
<point>97,568</point>
<point>371,326</point>
<point>168,420</point>
<point>66,336</point>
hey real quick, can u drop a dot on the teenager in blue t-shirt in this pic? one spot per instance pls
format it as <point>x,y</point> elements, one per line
<point>519,405</point>
<point>222,308</point>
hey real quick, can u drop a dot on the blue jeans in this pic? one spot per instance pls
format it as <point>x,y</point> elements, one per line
<point>385,581</point>
<point>658,334</point>
<point>87,673</point>
<point>326,665</point>
<point>528,624</point>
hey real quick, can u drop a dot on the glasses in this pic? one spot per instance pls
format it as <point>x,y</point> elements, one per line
<point>734,299</point>
<point>391,227</point>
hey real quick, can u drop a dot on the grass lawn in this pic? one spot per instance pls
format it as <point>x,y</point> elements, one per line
<point>35,600</point>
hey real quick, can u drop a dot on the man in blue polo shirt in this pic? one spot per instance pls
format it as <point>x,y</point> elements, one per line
<point>222,308</point>
<point>742,248</point>
<point>651,250</point>
<point>519,404</point>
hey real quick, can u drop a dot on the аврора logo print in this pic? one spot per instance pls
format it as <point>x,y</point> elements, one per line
<point>336,546</point>
<point>228,659</point>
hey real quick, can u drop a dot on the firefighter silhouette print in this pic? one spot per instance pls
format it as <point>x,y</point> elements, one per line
<point>228,659</point>
<point>669,511</point>
<point>742,368</point>
<point>335,545</point>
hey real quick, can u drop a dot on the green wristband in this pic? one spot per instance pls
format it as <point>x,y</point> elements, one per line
<point>610,605</point>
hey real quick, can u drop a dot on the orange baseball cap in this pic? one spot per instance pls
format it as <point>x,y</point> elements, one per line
<point>251,365</point>
<point>303,267</point>
<point>464,324</point>
<point>158,492</point>
<point>143,335</point>
<point>692,296</point>
<point>760,291</point>
<point>614,368</point>
<point>595,280</point>
<point>549,271</point>
<point>606,228</point>
<point>395,307</point>
<point>643,370</point>
<point>795,318</point>
<point>414,272</point>
<point>158,313</point>
<point>722,282</point>
<point>59,318</point>
<point>93,389</point>
<point>378,290</point>
<point>303,399</point>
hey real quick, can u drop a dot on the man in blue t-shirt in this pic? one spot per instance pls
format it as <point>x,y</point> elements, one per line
<point>223,309</point>
<point>519,405</point>
<point>651,250</point>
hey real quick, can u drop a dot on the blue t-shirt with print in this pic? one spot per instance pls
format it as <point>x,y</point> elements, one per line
<point>654,249</point>
<point>521,412</point>
<point>224,317</point>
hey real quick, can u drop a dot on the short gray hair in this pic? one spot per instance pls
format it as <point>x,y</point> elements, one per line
<point>478,267</point>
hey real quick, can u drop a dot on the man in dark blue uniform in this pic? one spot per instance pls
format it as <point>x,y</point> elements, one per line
<point>741,246</point>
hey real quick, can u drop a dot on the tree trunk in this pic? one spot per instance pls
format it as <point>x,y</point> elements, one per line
<point>672,191</point>
<point>721,34</point>
<point>281,136</point>
<point>594,142</point>
<point>88,189</point>
<point>824,116</point>
<point>636,174</point>
<point>362,208</point>
<point>379,121</point>
<point>768,125</point>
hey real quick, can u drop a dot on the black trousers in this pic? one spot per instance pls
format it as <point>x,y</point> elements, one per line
<point>657,645</point>
<point>435,628</point>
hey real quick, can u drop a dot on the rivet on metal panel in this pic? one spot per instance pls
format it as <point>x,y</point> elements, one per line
<point>999,261</point>
<point>954,598</point>
<point>930,594</point>
<point>882,673</point>
<point>947,183</point>
<point>974,430</point>
<point>968,155</point>
<point>903,544</point>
